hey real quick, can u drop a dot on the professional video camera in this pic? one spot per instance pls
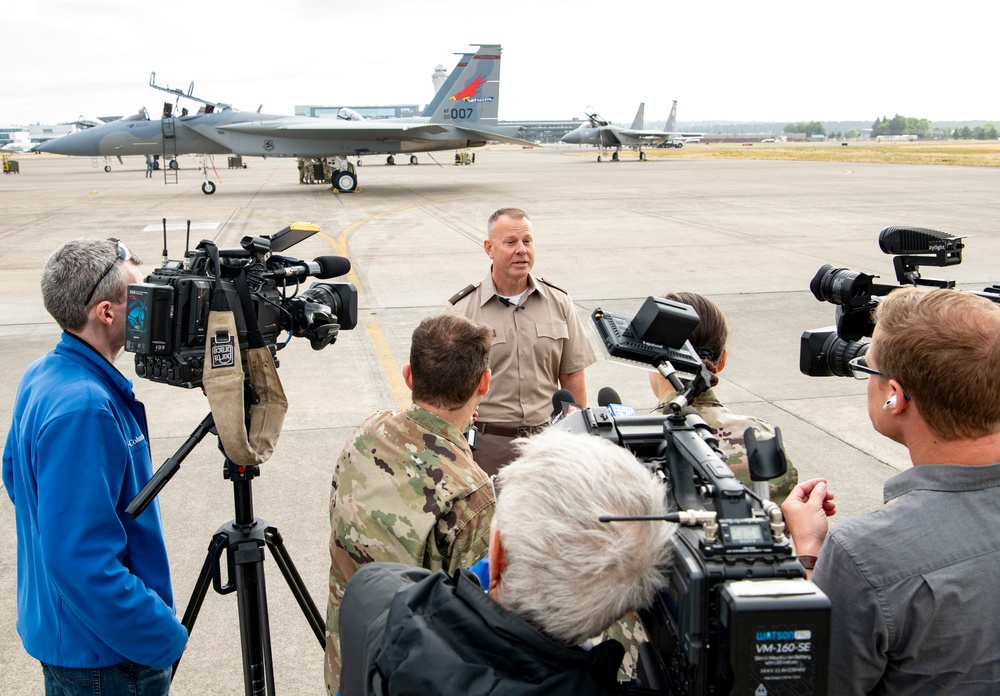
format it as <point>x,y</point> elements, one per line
<point>167,315</point>
<point>827,351</point>
<point>737,615</point>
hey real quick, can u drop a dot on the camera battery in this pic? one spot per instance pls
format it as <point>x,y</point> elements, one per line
<point>775,637</point>
<point>665,322</point>
<point>147,319</point>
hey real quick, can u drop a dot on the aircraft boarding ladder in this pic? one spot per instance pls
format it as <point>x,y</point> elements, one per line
<point>169,152</point>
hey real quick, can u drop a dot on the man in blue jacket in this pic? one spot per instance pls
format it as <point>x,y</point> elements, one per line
<point>94,600</point>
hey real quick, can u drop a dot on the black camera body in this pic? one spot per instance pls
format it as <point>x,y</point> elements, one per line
<point>167,315</point>
<point>826,351</point>
<point>737,615</point>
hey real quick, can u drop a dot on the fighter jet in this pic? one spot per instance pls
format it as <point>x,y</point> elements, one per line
<point>462,114</point>
<point>598,131</point>
<point>19,147</point>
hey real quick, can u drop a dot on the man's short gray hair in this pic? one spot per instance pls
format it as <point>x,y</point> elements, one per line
<point>566,572</point>
<point>70,274</point>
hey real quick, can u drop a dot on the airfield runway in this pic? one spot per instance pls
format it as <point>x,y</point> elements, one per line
<point>750,235</point>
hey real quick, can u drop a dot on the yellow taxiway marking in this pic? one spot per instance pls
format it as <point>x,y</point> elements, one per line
<point>390,367</point>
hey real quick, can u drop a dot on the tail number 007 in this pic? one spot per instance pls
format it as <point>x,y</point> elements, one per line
<point>458,113</point>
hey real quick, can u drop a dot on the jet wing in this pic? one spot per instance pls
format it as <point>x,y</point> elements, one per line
<point>655,136</point>
<point>648,135</point>
<point>348,131</point>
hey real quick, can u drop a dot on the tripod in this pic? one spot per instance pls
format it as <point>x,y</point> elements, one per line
<point>243,539</point>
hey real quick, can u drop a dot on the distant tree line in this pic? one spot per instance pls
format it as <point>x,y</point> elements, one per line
<point>904,125</point>
<point>987,132</point>
<point>810,129</point>
<point>901,125</point>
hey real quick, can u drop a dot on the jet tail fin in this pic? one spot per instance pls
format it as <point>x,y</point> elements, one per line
<point>672,119</point>
<point>446,88</point>
<point>472,97</point>
<point>638,123</point>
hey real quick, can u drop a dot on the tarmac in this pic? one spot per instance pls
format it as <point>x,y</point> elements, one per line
<point>748,234</point>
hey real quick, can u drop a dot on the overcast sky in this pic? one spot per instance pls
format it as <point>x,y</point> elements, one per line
<point>723,60</point>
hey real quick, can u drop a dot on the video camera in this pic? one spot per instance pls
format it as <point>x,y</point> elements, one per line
<point>167,315</point>
<point>826,351</point>
<point>737,615</point>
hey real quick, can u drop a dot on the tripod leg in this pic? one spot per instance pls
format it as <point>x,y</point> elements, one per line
<point>255,633</point>
<point>295,584</point>
<point>201,585</point>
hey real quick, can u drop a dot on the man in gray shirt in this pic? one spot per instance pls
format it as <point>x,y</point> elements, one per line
<point>913,584</point>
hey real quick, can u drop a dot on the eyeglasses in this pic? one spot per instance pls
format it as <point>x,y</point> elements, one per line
<point>124,254</point>
<point>860,370</point>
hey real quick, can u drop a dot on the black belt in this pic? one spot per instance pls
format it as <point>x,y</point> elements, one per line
<point>509,430</point>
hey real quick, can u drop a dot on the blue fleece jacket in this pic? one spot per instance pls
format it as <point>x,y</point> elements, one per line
<point>93,585</point>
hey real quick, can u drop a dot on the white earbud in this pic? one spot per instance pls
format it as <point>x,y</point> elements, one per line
<point>891,403</point>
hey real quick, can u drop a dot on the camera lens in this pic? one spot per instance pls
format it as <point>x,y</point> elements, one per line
<point>822,353</point>
<point>840,285</point>
<point>840,352</point>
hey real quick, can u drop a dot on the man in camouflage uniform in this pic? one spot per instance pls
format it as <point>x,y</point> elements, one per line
<point>302,169</point>
<point>406,488</point>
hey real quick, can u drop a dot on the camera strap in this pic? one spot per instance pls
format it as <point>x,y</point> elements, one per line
<point>235,398</point>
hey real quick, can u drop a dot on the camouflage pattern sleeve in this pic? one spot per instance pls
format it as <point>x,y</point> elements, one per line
<point>628,631</point>
<point>463,535</point>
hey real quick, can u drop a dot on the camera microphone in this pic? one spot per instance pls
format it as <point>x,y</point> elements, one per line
<point>608,395</point>
<point>563,403</point>
<point>321,267</point>
<point>609,399</point>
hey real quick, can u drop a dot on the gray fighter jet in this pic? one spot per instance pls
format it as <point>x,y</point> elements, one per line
<point>598,131</point>
<point>462,114</point>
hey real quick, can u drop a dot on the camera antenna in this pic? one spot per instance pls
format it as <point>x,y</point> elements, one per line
<point>165,256</point>
<point>187,246</point>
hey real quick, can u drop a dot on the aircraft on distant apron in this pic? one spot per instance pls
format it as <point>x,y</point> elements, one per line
<point>600,132</point>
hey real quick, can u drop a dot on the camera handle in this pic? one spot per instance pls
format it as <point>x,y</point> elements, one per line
<point>243,539</point>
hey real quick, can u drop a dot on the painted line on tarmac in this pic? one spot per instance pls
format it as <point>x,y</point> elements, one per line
<point>390,368</point>
<point>393,373</point>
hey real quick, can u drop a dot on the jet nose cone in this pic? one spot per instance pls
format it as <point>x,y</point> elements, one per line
<point>573,138</point>
<point>79,144</point>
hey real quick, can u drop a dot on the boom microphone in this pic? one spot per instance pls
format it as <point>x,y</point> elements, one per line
<point>321,267</point>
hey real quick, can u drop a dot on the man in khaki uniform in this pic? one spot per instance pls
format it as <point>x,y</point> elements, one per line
<point>539,344</point>
<point>406,489</point>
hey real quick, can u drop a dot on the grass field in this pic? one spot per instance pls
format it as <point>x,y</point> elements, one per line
<point>976,153</point>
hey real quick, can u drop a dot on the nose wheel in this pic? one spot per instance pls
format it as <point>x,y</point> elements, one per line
<point>344,181</point>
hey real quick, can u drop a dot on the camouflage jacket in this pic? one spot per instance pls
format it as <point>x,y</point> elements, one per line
<point>406,490</point>
<point>729,428</point>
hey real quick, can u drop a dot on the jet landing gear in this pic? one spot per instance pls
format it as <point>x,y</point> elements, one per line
<point>391,160</point>
<point>207,185</point>
<point>344,179</point>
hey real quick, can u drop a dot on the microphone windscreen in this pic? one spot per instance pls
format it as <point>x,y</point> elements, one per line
<point>562,396</point>
<point>332,266</point>
<point>606,396</point>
